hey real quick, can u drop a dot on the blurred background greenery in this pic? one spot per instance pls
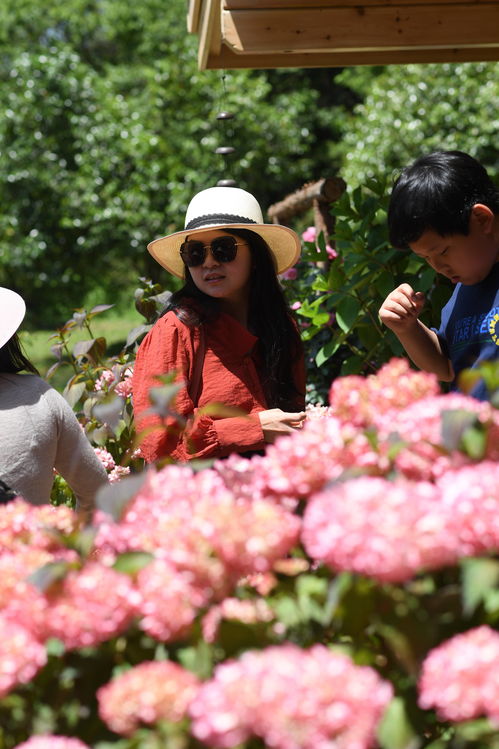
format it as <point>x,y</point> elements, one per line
<point>107,128</point>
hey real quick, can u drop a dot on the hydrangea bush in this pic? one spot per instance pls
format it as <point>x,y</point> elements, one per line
<point>339,592</point>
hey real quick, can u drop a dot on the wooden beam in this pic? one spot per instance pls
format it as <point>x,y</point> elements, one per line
<point>193,14</point>
<point>356,29</point>
<point>210,37</point>
<point>313,4</point>
<point>229,60</point>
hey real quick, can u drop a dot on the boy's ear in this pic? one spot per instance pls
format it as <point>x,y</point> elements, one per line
<point>483,217</point>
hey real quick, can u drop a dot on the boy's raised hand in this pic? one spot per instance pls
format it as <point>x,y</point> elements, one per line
<point>401,308</point>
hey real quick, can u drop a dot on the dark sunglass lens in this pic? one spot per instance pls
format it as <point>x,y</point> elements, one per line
<point>224,249</point>
<point>193,253</point>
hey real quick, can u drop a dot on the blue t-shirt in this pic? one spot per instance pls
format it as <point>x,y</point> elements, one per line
<point>469,327</point>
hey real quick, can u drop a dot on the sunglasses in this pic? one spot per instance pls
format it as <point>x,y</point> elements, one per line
<point>224,250</point>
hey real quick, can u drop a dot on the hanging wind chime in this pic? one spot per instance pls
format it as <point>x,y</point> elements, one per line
<point>224,117</point>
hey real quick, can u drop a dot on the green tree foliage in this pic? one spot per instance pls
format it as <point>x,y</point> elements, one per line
<point>107,128</point>
<point>407,110</point>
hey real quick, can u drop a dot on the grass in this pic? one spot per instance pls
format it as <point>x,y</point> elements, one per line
<point>112,325</point>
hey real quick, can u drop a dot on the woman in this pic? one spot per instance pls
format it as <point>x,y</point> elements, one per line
<point>38,430</point>
<point>227,334</point>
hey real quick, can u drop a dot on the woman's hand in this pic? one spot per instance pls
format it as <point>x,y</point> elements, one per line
<point>276,422</point>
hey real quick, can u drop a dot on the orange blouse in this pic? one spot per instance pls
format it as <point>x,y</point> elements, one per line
<point>229,376</point>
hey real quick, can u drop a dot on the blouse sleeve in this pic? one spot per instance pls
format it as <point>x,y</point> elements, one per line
<point>170,347</point>
<point>75,457</point>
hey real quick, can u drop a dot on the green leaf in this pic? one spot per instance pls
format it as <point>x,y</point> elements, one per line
<point>109,411</point>
<point>336,277</point>
<point>395,730</point>
<point>454,424</point>
<point>114,498</point>
<point>474,442</point>
<point>132,562</point>
<point>347,312</point>
<point>328,350</point>
<point>480,576</point>
<point>198,659</point>
<point>50,574</point>
<point>73,393</point>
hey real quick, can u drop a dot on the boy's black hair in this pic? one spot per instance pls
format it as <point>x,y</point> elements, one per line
<point>437,193</point>
<point>13,359</point>
<point>269,318</point>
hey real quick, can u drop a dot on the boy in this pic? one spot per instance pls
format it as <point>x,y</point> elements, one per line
<point>445,208</point>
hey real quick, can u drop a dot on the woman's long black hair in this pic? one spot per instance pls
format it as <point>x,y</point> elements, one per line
<point>13,359</point>
<point>269,318</point>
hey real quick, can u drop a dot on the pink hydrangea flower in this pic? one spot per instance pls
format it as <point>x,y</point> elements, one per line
<point>294,467</point>
<point>24,524</point>
<point>20,600</point>
<point>460,678</point>
<point>21,655</point>
<point>146,694</point>
<point>383,529</point>
<point>471,497</point>
<point>419,425</point>
<point>169,601</point>
<point>48,741</point>
<point>360,400</point>
<point>195,522</point>
<point>93,605</point>
<point>291,699</point>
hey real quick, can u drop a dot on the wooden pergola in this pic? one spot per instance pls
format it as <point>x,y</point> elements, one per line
<point>333,33</point>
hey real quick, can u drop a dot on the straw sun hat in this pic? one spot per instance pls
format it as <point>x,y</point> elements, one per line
<point>226,208</point>
<point>12,311</point>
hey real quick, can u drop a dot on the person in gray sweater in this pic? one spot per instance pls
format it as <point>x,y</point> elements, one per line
<point>39,431</point>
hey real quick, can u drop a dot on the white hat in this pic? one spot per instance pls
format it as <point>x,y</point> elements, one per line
<point>226,208</point>
<point>12,311</point>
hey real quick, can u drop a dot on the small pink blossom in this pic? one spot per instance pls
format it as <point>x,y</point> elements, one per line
<point>289,275</point>
<point>291,699</point>
<point>460,678</point>
<point>105,380</point>
<point>309,234</point>
<point>296,305</point>
<point>118,472</point>
<point>146,694</point>
<point>21,655</point>
<point>105,458</point>
<point>318,411</point>
<point>48,741</point>
<point>331,252</point>
<point>124,388</point>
